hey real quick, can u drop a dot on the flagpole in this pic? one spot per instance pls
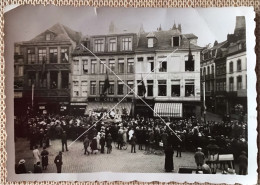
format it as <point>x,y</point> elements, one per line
<point>32,95</point>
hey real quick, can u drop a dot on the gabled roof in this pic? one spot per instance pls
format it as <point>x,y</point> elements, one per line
<point>61,33</point>
<point>164,41</point>
<point>150,35</point>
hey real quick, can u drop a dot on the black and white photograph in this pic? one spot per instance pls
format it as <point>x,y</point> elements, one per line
<point>127,91</point>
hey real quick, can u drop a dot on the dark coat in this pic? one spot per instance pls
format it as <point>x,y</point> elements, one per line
<point>45,159</point>
<point>93,144</point>
<point>64,138</point>
<point>37,169</point>
<point>102,141</point>
<point>133,140</point>
<point>86,143</point>
<point>168,165</point>
<point>109,141</point>
<point>58,160</point>
<point>21,169</point>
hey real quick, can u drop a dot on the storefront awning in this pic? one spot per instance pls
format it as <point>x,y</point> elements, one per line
<point>168,110</point>
<point>107,106</point>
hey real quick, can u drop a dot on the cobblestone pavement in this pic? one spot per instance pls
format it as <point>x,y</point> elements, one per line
<point>74,161</point>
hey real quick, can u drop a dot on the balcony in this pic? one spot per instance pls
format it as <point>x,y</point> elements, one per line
<point>38,67</point>
<point>48,92</point>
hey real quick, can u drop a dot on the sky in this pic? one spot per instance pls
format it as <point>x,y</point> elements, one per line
<point>25,22</point>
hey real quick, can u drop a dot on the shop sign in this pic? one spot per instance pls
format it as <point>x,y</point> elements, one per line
<point>79,104</point>
<point>18,94</point>
<point>109,99</point>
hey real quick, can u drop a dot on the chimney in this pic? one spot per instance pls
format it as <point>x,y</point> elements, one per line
<point>240,25</point>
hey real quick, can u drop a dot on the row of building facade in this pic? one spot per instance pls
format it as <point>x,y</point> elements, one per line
<point>59,71</point>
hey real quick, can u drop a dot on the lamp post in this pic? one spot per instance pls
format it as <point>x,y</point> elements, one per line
<point>204,101</point>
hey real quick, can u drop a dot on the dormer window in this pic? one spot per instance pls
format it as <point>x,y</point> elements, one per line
<point>150,42</point>
<point>48,36</point>
<point>176,41</point>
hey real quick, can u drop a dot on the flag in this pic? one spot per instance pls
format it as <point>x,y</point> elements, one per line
<point>190,57</point>
<point>106,85</point>
<point>43,68</point>
<point>143,89</point>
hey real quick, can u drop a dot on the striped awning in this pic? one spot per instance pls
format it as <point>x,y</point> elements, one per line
<point>168,110</point>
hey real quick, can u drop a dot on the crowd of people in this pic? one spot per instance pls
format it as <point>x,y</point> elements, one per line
<point>149,134</point>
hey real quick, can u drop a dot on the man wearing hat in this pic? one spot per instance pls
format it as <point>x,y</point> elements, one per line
<point>21,167</point>
<point>37,168</point>
<point>199,158</point>
<point>58,162</point>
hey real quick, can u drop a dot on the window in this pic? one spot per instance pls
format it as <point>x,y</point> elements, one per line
<point>102,67</point>
<point>212,71</point>
<point>112,65</point>
<point>92,87</point>
<point>20,71</point>
<point>176,41</point>
<point>239,68</point>
<point>64,56</point>
<point>224,85</point>
<point>101,87</point>
<point>175,88</point>
<point>217,88</point>
<point>162,88</point>
<point>120,88</point>
<point>75,83</point>
<point>53,55</point>
<point>150,42</point>
<point>75,93</point>
<point>112,44</point>
<point>140,59</point>
<point>111,89</point>
<point>231,84</point>
<point>121,64</point>
<point>130,65</point>
<point>140,88</point>
<point>31,78</point>
<point>43,80</point>
<point>217,71</point>
<point>163,66</point>
<point>64,80</point>
<point>239,82</point>
<point>149,87</point>
<point>31,56</point>
<point>42,55</point>
<point>189,88</point>
<point>208,70</point>
<point>85,66</point>
<point>127,44</point>
<point>48,36</point>
<point>99,45</point>
<point>84,87</point>
<point>54,79</point>
<point>151,61</point>
<point>131,86</point>
<point>189,64</point>
<point>93,66</point>
<point>231,67</point>
<point>76,67</point>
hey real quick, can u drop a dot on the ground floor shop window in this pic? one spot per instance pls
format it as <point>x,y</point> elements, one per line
<point>64,80</point>
<point>162,88</point>
<point>101,87</point>
<point>131,86</point>
<point>111,88</point>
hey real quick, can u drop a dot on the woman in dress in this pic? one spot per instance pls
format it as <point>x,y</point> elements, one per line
<point>36,155</point>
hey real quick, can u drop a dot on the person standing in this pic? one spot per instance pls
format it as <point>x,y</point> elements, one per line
<point>93,145</point>
<point>133,143</point>
<point>58,162</point>
<point>37,168</point>
<point>199,158</point>
<point>102,143</point>
<point>45,158</point>
<point>64,141</point>
<point>168,165</point>
<point>109,143</point>
<point>36,154</point>
<point>86,144</point>
<point>243,162</point>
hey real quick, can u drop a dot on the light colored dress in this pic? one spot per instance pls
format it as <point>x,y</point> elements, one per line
<point>36,155</point>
